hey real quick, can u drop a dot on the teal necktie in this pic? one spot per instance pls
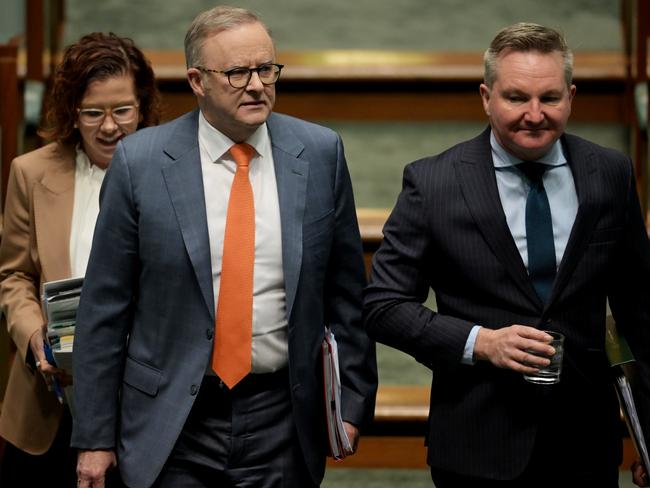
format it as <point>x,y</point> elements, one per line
<point>539,231</point>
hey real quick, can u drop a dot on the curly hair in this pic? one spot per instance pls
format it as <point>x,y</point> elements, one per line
<point>96,56</point>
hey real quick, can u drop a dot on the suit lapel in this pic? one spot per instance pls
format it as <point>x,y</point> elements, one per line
<point>291,175</point>
<point>476,177</point>
<point>53,206</point>
<point>184,180</point>
<point>584,168</point>
<point>475,174</point>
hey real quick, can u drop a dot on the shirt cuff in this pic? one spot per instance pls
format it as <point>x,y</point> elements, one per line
<point>468,352</point>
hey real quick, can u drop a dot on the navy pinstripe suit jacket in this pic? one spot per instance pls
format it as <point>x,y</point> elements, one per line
<point>448,232</point>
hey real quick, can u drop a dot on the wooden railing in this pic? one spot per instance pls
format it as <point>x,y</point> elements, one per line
<point>397,86</point>
<point>396,437</point>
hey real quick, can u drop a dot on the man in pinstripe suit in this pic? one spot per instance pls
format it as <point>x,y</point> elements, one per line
<point>459,228</point>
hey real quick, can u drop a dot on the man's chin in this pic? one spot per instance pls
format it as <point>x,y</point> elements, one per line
<point>254,110</point>
<point>531,152</point>
<point>537,145</point>
<point>254,120</point>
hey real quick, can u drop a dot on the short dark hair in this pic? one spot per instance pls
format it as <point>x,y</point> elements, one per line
<point>524,37</point>
<point>96,56</point>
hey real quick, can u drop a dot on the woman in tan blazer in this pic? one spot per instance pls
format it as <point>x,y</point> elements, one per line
<point>103,90</point>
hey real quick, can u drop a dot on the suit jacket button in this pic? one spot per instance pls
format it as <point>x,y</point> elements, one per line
<point>208,333</point>
<point>194,389</point>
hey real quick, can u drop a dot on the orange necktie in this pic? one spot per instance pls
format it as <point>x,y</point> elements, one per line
<point>231,356</point>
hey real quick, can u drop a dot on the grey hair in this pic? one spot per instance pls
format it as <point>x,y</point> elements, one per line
<point>524,37</point>
<point>213,21</point>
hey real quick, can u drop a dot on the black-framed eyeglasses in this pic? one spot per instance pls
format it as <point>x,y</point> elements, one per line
<point>240,77</point>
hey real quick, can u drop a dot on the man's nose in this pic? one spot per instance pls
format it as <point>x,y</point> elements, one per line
<point>534,112</point>
<point>255,83</point>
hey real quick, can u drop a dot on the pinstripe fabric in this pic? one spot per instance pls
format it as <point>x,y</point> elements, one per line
<point>448,232</point>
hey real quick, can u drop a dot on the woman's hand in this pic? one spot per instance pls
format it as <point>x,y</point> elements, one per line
<point>47,370</point>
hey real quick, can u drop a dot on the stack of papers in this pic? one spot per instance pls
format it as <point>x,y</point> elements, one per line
<point>621,359</point>
<point>60,303</point>
<point>338,438</point>
<point>626,399</point>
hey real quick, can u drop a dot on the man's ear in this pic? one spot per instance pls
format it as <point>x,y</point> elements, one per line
<point>485,97</point>
<point>196,81</point>
<point>572,92</point>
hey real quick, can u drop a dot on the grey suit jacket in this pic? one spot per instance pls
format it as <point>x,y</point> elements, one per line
<point>448,232</point>
<point>144,330</point>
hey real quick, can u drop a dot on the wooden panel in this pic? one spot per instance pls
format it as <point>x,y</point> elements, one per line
<point>56,20</point>
<point>371,222</point>
<point>429,105</point>
<point>402,403</point>
<point>376,65</point>
<point>35,38</point>
<point>410,453</point>
<point>399,86</point>
<point>386,452</point>
<point>175,102</point>
<point>629,454</point>
<point>409,105</point>
<point>9,111</point>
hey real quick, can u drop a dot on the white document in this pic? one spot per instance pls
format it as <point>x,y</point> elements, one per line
<point>338,439</point>
<point>626,399</point>
<point>60,302</point>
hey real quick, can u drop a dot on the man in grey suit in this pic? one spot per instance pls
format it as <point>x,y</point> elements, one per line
<point>510,253</point>
<point>146,395</point>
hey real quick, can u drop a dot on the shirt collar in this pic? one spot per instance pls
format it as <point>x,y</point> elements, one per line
<point>83,165</point>
<point>503,159</point>
<point>217,144</point>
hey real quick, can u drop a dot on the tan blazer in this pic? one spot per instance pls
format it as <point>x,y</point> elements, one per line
<point>35,249</point>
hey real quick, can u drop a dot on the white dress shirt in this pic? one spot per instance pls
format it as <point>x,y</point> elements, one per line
<point>270,332</point>
<point>87,183</point>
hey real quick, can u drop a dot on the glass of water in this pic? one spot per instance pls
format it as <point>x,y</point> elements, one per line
<point>548,375</point>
